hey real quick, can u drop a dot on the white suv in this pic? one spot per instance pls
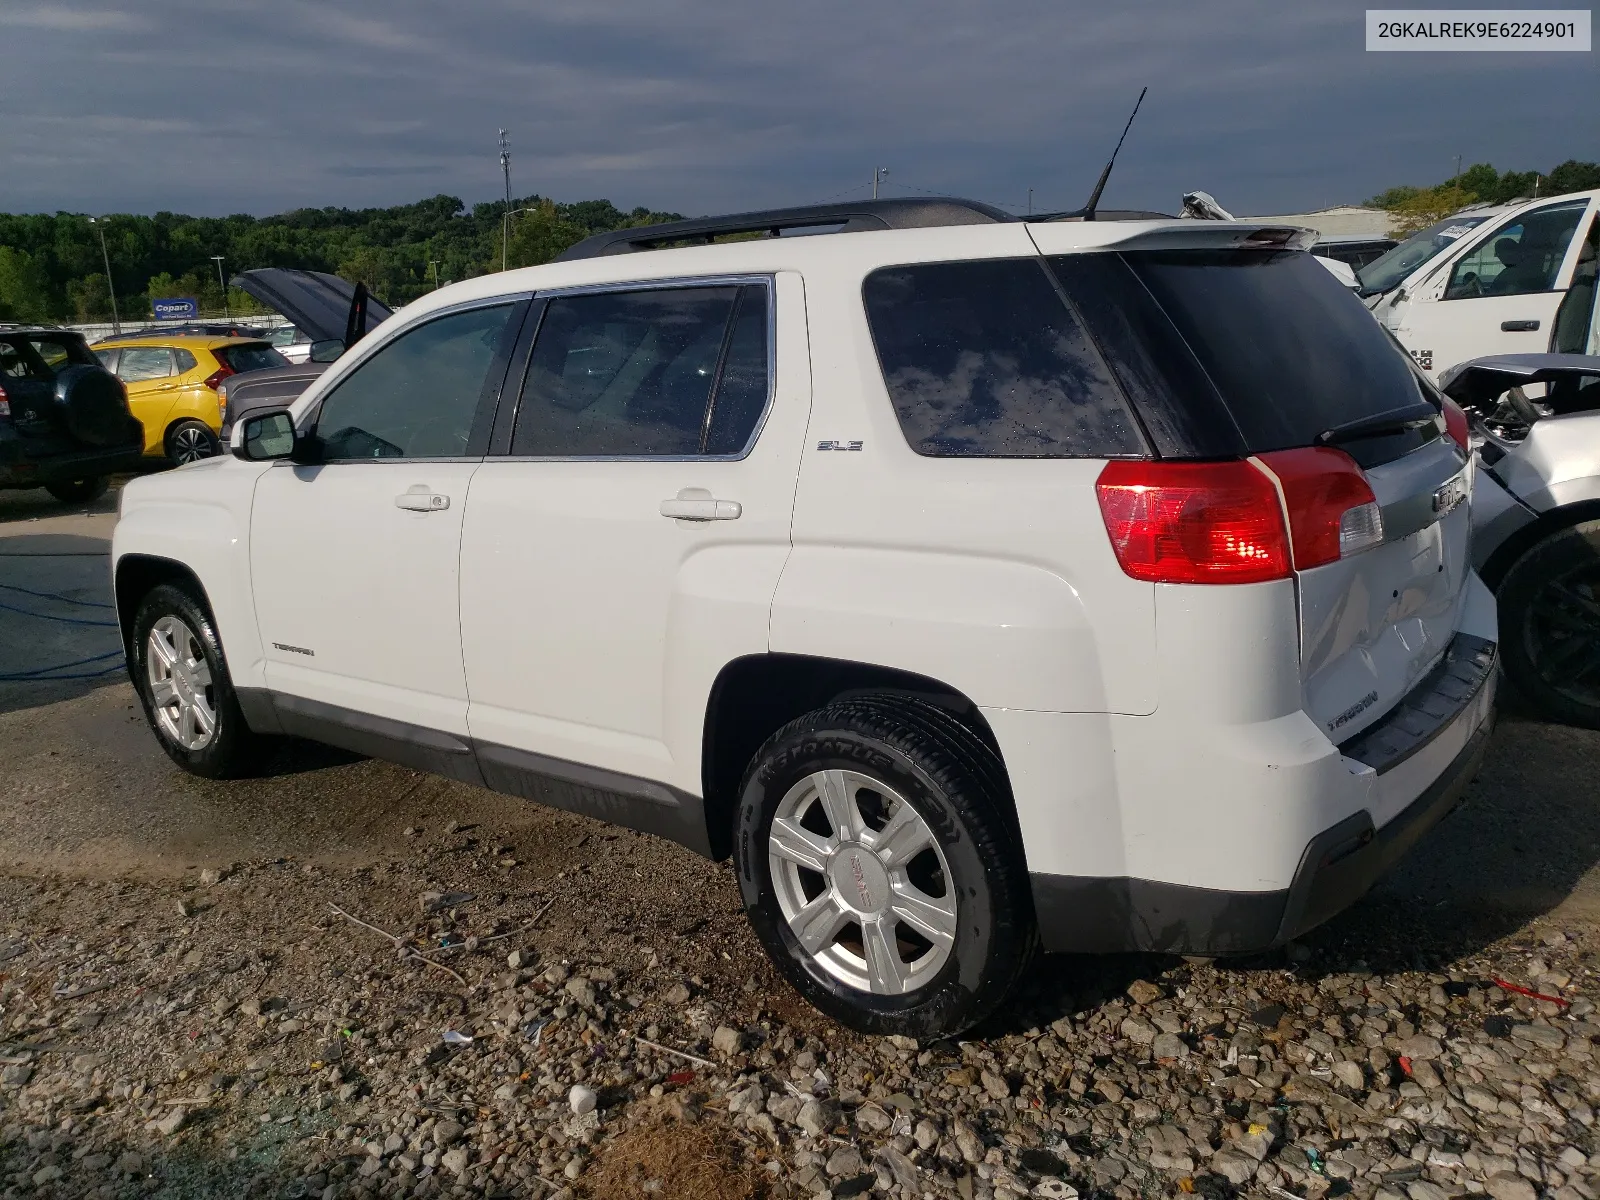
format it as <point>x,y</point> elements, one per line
<point>974,582</point>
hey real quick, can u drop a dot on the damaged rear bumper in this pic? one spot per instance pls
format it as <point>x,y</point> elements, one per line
<point>1440,731</point>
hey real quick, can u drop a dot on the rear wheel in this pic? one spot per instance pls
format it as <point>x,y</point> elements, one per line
<point>190,441</point>
<point>78,491</point>
<point>880,870</point>
<point>183,682</point>
<point>1550,625</point>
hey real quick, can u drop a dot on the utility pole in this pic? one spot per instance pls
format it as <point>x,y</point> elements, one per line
<point>1457,175</point>
<point>1030,202</point>
<point>877,174</point>
<point>100,228</point>
<point>505,221</point>
<point>434,267</point>
<point>217,258</point>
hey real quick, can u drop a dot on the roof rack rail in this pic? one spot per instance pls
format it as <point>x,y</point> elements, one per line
<point>853,217</point>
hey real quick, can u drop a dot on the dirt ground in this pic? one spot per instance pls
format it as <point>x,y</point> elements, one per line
<point>103,844</point>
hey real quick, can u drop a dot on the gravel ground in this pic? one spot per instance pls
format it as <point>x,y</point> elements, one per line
<point>349,979</point>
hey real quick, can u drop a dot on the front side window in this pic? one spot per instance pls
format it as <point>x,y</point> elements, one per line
<point>417,396</point>
<point>660,372</point>
<point>138,363</point>
<point>1519,258</point>
<point>984,359</point>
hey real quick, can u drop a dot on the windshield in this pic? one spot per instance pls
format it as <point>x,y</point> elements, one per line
<point>251,356</point>
<point>1394,266</point>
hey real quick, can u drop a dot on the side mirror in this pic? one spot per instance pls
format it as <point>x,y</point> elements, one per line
<point>326,350</point>
<point>263,437</point>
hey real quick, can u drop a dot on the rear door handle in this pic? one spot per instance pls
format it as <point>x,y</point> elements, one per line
<point>697,504</point>
<point>419,498</point>
<point>1518,326</point>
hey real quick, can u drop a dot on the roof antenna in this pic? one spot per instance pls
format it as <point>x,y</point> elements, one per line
<point>1094,197</point>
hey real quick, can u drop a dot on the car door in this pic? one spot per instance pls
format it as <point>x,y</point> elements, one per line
<point>1501,295</point>
<point>629,542</point>
<point>354,560</point>
<point>148,374</point>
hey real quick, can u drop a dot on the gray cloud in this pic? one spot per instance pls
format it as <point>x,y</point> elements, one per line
<point>248,105</point>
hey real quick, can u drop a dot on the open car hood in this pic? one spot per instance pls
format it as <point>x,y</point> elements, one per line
<point>318,304</point>
<point>1478,381</point>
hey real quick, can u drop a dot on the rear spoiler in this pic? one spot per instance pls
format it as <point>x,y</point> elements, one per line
<point>1218,235</point>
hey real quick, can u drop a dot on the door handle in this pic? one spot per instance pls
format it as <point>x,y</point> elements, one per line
<point>418,498</point>
<point>1518,326</point>
<point>697,504</point>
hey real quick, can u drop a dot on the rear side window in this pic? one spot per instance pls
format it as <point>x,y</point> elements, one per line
<point>662,372</point>
<point>984,359</point>
<point>59,353</point>
<point>138,363</point>
<point>1291,351</point>
<point>252,356</point>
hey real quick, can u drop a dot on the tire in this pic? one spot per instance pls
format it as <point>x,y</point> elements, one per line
<point>78,491</point>
<point>959,868</point>
<point>171,615</point>
<point>1550,625</point>
<point>190,441</point>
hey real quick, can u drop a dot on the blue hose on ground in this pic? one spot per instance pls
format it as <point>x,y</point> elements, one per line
<point>42,674</point>
<point>64,620</point>
<point>11,587</point>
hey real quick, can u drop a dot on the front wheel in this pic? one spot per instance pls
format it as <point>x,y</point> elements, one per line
<point>183,683</point>
<point>880,870</point>
<point>1550,625</point>
<point>190,441</point>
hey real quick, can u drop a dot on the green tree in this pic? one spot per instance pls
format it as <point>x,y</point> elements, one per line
<point>24,287</point>
<point>541,234</point>
<point>1428,205</point>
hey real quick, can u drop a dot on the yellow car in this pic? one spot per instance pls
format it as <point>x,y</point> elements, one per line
<point>172,386</point>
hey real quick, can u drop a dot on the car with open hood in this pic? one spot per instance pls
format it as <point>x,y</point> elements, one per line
<point>331,313</point>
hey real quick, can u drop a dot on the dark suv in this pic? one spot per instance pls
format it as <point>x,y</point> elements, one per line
<point>64,419</point>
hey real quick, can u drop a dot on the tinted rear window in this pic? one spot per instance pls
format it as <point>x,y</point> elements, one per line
<point>40,356</point>
<point>252,356</point>
<point>1291,351</point>
<point>984,359</point>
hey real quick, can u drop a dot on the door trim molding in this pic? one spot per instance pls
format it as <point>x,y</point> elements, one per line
<point>644,805</point>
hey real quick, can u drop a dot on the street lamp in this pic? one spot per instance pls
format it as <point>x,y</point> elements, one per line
<point>217,258</point>
<point>878,173</point>
<point>505,222</point>
<point>100,228</point>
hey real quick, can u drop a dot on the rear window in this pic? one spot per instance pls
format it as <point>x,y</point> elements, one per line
<point>250,356</point>
<point>984,359</point>
<point>36,356</point>
<point>1291,351</point>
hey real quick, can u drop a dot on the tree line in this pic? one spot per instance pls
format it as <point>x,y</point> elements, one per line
<point>1418,207</point>
<point>52,267</point>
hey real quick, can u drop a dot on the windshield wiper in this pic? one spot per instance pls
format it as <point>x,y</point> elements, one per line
<point>1397,420</point>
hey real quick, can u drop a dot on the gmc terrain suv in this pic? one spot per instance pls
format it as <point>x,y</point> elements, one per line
<point>974,582</point>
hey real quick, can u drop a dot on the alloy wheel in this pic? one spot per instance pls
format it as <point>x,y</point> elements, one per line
<point>862,882</point>
<point>180,684</point>
<point>190,444</point>
<point>1561,633</point>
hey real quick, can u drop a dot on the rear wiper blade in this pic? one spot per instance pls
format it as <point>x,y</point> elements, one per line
<point>1398,420</point>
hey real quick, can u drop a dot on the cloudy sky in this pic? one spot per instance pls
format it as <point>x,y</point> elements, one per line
<point>220,106</point>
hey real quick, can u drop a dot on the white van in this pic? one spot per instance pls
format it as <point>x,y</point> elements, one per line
<point>1493,289</point>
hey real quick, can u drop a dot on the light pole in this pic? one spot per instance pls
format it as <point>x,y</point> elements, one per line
<point>100,228</point>
<point>217,258</point>
<point>877,174</point>
<point>505,221</point>
<point>1030,202</point>
<point>433,266</point>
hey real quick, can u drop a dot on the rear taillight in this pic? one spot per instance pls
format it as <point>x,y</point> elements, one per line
<point>1332,511</point>
<point>5,403</point>
<point>1237,522</point>
<point>217,376</point>
<point>1175,522</point>
<point>1456,424</point>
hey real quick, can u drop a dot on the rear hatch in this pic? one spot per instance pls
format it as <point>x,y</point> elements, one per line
<point>28,366</point>
<point>1260,354</point>
<point>316,303</point>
